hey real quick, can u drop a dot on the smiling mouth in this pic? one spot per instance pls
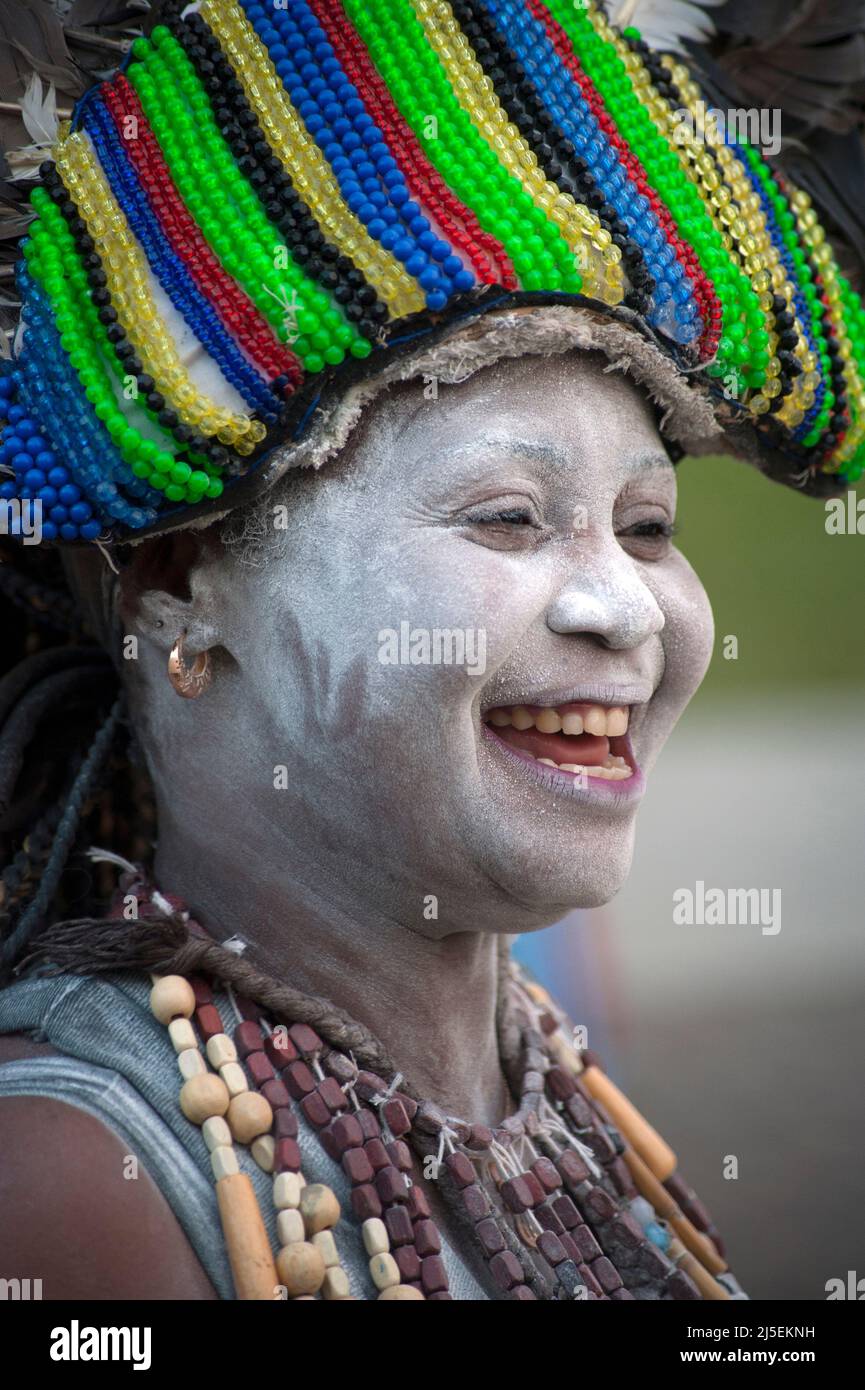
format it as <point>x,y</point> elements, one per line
<point>577,738</point>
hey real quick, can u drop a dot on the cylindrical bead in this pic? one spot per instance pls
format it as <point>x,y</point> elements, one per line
<point>246,1239</point>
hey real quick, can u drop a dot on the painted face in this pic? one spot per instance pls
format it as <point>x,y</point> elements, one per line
<point>468,646</point>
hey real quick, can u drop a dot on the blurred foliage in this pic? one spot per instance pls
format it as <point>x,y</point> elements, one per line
<point>790,592</point>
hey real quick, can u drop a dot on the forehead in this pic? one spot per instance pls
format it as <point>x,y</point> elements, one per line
<point>560,412</point>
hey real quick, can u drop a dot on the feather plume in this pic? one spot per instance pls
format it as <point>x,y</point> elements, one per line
<point>666,24</point>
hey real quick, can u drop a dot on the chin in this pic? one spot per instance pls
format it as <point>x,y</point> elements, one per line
<point>548,877</point>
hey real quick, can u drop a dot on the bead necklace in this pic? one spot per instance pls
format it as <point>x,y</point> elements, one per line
<point>574,1196</point>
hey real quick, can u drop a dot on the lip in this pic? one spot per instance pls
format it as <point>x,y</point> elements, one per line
<point>596,791</point>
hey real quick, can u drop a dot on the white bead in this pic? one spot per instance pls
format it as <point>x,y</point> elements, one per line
<point>234,1077</point>
<point>191,1063</point>
<point>384,1271</point>
<point>375,1236</point>
<point>182,1034</point>
<point>220,1049</point>
<point>262,1150</point>
<point>216,1133</point>
<point>289,1227</point>
<point>324,1241</point>
<point>335,1284</point>
<point>286,1190</point>
<point>224,1163</point>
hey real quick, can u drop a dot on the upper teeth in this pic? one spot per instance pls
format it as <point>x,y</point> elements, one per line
<point>595,719</point>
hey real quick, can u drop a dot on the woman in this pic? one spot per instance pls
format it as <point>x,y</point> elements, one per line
<point>424,679</point>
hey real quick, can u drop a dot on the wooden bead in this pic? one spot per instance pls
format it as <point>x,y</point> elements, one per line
<point>216,1133</point>
<point>375,1236</point>
<point>335,1286</point>
<point>400,1291</point>
<point>300,1268</point>
<point>220,1049</point>
<point>384,1271</point>
<point>252,1267</point>
<point>262,1150</point>
<point>249,1115</point>
<point>182,1034</point>
<point>287,1188</point>
<point>223,1161</point>
<point>652,1149</point>
<point>324,1241</point>
<point>203,1096</point>
<point>172,997</point>
<point>191,1063</point>
<point>319,1207</point>
<point>234,1077</point>
<point>289,1226</point>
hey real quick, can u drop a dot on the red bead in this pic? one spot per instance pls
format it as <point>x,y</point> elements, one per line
<point>460,1168</point>
<point>551,1248</point>
<point>433,1275</point>
<point>248,1039</point>
<point>357,1166</point>
<point>369,1124</point>
<point>399,1227</point>
<point>506,1269</point>
<point>490,1237</point>
<point>390,1184</point>
<point>284,1122</point>
<point>332,1094</point>
<point>408,1263</point>
<point>347,1133</point>
<point>377,1154</point>
<point>399,1154</point>
<point>397,1121</point>
<point>277,1097</point>
<point>418,1203</point>
<point>475,1201</point>
<point>547,1174</point>
<point>286,1156</point>
<point>365,1202</point>
<point>426,1238</point>
<point>305,1039</point>
<point>299,1079</point>
<point>208,1020</point>
<point>259,1068</point>
<point>280,1049</point>
<point>315,1110</point>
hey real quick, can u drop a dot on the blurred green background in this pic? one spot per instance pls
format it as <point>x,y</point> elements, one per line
<point>789,591</point>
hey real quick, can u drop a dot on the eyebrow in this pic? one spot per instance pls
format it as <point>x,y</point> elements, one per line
<point>542,451</point>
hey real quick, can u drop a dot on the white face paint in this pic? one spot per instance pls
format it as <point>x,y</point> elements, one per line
<point>527,511</point>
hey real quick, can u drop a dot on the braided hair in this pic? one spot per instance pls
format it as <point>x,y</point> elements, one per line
<point>69,773</point>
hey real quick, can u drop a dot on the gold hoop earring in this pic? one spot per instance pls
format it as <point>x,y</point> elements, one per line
<point>189,681</point>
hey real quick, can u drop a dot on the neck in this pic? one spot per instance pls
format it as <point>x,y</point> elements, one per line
<point>431,1002</point>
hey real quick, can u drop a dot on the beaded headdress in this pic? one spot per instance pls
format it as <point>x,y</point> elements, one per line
<point>272,202</point>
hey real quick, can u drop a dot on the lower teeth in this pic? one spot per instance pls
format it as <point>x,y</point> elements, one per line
<point>613,770</point>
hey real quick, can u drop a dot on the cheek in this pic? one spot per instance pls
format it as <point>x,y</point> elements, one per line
<point>689,629</point>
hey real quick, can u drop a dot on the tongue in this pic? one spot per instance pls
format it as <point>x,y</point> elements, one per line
<point>586,749</point>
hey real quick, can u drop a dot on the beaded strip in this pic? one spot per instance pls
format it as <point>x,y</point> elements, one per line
<point>573,1197</point>
<point>312,182</point>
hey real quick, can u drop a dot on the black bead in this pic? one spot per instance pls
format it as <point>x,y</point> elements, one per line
<point>156,400</point>
<point>146,383</point>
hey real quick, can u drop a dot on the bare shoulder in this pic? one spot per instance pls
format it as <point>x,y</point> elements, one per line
<point>76,1213</point>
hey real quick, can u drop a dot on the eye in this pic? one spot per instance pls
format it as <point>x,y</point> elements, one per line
<point>509,516</point>
<point>650,539</point>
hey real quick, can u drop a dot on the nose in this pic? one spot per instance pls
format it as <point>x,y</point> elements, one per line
<point>609,598</point>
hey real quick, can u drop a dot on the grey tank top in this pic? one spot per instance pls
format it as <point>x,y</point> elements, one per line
<point>120,1066</point>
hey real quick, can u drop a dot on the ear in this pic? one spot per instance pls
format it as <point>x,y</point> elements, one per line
<point>168,589</point>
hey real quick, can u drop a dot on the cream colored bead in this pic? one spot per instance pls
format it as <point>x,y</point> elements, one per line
<point>203,1096</point>
<point>401,1291</point>
<point>234,1077</point>
<point>324,1241</point>
<point>301,1268</point>
<point>262,1150</point>
<point>191,1063</point>
<point>335,1284</point>
<point>223,1161</point>
<point>216,1133</point>
<point>172,997</point>
<point>384,1271</point>
<point>375,1236</point>
<point>182,1034</point>
<point>289,1227</point>
<point>249,1115</point>
<point>287,1188</point>
<point>220,1049</point>
<point>319,1207</point>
